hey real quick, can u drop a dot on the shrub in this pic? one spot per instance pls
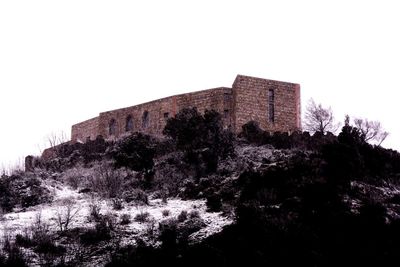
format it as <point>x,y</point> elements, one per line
<point>23,189</point>
<point>194,214</point>
<point>15,257</point>
<point>102,231</point>
<point>7,196</point>
<point>66,213</point>
<point>24,240</point>
<point>214,203</point>
<point>135,152</point>
<point>252,132</point>
<point>189,227</point>
<point>117,204</point>
<point>182,216</point>
<point>201,137</point>
<point>142,217</point>
<point>186,129</point>
<point>73,178</point>
<point>125,219</point>
<point>151,227</point>
<point>168,233</point>
<point>166,213</point>
<point>94,212</point>
<point>107,181</point>
<point>136,195</point>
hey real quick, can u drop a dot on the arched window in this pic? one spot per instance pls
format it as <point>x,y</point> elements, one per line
<point>112,127</point>
<point>145,119</point>
<point>129,124</point>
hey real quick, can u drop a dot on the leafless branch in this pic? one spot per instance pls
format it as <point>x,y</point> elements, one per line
<point>319,119</point>
<point>66,214</point>
<point>371,130</point>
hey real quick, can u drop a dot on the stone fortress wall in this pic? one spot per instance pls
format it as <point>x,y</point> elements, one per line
<point>274,104</point>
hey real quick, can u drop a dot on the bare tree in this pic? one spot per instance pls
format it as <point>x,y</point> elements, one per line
<point>56,138</point>
<point>371,130</point>
<point>65,214</point>
<point>319,119</point>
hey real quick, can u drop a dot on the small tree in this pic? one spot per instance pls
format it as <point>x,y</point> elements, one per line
<point>371,130</point>
<point>186,129</point>
<point>319,119</point>
<point>135,152</point>
<point>65,214</point>
<point>55,139</point>
<point>192,131</point>
<point>201,137</point>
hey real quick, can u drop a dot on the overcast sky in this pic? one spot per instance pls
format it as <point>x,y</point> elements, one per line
<point>62,62</point>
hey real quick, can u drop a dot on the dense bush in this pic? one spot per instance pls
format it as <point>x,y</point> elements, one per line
<point>107,181</point>
<point>103,229</point>
<point>8,198</point>
<point>252,132</point>
<point>12,255</point>
<point>201,137</point>
<point>135,152</point>
<point>296,211</point>
<point>125,219</point>
<point>352,158</point>
<point>117,204</point>
<point>182,216</point>
<point>137,196</point>
<point>22,190</point>
<point>142,217</point>
<point>214,203</point>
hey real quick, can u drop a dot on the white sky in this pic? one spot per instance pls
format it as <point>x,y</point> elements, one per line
<point>62,62</point>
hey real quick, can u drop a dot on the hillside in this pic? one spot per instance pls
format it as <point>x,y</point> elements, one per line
<point>205,197</point>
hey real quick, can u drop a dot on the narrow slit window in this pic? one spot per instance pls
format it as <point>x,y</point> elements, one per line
<point>226,113</point>
<point>227,97</point>
<point>271,105</point>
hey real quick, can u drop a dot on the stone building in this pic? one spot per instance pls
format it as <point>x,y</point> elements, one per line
<point>274,104</point>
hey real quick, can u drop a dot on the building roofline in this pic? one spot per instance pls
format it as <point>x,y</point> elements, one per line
<point>97,117</point>
<point>258,78</point>
<point>164,98</point>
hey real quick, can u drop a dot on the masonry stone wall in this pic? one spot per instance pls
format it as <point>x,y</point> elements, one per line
<point>251,102</point>
<point>85,130</point>
<point>246,100</point>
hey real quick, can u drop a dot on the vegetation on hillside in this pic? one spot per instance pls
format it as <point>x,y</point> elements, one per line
<point>299,199</point>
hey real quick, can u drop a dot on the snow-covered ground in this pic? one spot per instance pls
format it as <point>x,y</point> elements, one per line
<point>16,222</point>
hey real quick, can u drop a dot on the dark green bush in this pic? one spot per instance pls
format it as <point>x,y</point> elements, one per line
<point>142,217</point>
<point>102,231</point>
<point>253,133</point>
<point>8,197</point>
<point>214,203</point>
<point>201,137</point>
<point>182,216</point>
<point>135,152</point>
<point>125,219</point>
<point>136,195</point>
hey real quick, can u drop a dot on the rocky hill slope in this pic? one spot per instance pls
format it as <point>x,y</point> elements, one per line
<point>204,197</point>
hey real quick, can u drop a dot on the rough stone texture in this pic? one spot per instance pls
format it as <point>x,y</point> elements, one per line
<point>251,103</point>
<point>246,100</point>
<point>85,130</point>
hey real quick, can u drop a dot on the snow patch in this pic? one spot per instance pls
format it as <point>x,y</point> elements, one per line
<point>16,222</point>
